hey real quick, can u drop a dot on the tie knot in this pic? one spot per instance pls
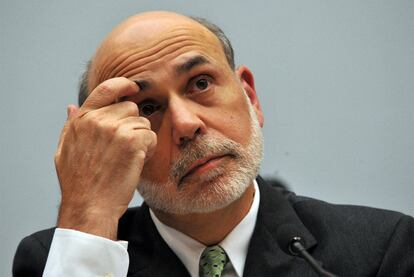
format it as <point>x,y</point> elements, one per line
<point>212,261</point>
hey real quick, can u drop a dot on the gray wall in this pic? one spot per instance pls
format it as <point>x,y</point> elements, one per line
<point>335,79</point>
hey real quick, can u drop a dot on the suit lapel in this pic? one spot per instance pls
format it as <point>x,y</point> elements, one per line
<point>149,255</point>
<point>265,257</point>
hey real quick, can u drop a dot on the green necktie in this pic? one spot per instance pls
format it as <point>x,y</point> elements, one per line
<point>212,261</point>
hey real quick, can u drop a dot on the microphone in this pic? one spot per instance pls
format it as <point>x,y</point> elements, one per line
<point>289,239</point>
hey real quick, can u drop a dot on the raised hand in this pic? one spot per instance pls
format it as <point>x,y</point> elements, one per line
<point>102,149</point>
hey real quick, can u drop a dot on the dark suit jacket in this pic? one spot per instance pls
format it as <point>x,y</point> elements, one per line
<point>347,240</point>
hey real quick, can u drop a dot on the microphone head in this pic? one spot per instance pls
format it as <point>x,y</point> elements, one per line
<point>286,235</point>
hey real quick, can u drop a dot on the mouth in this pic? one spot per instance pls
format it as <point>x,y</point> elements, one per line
<point>204,165</point>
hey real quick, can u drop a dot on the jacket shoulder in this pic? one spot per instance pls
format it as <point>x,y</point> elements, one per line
<point>360,218</point>
<point>359,235</point>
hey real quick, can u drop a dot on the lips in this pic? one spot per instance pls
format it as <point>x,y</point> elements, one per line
<point>201,164</point>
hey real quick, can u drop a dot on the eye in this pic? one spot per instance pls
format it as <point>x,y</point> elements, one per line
<point>199,83</point>
<point>202,84</point>
<point>147,108</point>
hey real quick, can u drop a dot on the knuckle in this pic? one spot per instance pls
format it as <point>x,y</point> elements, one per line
<point>153,138</point>
<point>126,139</point>
<point>110,128</point>
<point>141,154</point>
<point>147,140</point>
<point>95,122</point>
<point>145,122</point>
<point>90,118</point>
<point>107,127</point>
<point>134,141</point>
<point>131,107</point>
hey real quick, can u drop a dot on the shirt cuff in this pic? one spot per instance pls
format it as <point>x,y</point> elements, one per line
<point>75,253</point>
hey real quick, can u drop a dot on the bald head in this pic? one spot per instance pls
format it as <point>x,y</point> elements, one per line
<point>142,32</point>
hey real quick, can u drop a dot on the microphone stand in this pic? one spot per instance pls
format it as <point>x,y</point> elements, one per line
<point>297,248</point>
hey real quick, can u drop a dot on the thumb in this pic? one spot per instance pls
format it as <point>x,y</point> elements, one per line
<point>71,110</point>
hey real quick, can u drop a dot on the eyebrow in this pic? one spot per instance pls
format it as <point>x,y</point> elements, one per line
<point>185,67</point>
<point>190,64</point>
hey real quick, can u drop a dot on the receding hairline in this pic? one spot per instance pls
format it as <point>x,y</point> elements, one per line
<point>210,26</point>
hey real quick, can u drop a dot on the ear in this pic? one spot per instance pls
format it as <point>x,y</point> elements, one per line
<point>247,81</point>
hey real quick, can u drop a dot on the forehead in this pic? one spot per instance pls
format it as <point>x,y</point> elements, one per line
<point>140,46</point>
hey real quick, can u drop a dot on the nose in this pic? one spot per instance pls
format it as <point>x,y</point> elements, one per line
<point>185,121</point>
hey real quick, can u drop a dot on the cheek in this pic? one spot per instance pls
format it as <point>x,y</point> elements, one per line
<point>157,168</point>
<point>232,119</point>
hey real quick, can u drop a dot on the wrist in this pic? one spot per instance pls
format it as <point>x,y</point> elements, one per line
<point>90,221</point>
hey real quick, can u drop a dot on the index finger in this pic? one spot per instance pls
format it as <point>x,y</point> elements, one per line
<point>109,92</point>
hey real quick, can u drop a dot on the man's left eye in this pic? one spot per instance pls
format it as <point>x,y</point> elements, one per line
<point>201,83</point>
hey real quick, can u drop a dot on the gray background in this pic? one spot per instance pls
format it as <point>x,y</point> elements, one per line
<point>335,79</point>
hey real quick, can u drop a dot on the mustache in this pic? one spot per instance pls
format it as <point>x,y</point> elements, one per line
<point>201,147</point>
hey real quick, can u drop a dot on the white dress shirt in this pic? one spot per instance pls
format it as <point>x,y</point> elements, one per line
<point>235,244</point>
<point>74,253</point>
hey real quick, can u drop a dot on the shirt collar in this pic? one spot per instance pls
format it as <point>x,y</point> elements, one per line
<point>235,244</point>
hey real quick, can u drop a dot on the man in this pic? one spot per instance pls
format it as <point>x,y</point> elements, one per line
<point>168,114</point>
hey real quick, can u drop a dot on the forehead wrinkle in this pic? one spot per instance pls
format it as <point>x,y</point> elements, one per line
<point>172,42</point>
<point>152,47</point>
<point>137,67</point>
<point>137,60</point>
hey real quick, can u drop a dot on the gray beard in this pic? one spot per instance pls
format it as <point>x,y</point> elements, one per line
<point>219,187</point>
